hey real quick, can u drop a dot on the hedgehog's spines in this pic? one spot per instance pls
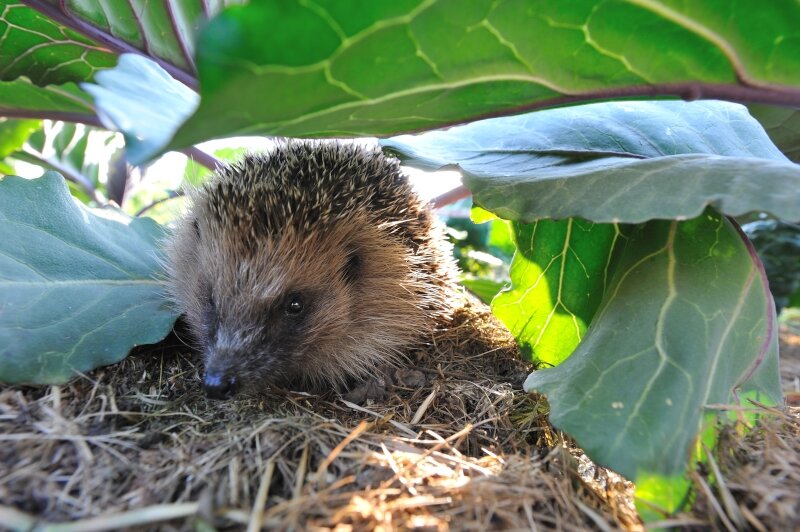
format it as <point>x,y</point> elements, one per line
<point>292,185</point>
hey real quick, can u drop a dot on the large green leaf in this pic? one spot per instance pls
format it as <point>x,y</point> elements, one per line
<point>615,162</point>
<point>333,68</point>
<point>45,51</point>
<point>162,30</point>
<point>165,31</point>
<point>140,99</point>
<point>558,277</point>
<point>55,41</point>
<point>685,324</point>
<point>78,289</point>
<point>782,125</point>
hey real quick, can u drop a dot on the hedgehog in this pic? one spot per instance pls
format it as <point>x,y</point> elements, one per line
<point>308,267</point>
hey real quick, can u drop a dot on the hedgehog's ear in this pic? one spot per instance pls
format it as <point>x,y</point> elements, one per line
<point>352,268</point>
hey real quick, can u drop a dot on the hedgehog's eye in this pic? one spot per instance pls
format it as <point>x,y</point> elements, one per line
<point>294,305</point>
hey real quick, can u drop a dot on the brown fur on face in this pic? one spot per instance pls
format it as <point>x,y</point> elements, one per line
<point>334,227</point>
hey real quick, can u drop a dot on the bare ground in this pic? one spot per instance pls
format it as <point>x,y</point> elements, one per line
<point>447,443</point>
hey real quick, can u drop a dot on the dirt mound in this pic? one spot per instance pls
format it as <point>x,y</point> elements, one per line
<point>444,443</point>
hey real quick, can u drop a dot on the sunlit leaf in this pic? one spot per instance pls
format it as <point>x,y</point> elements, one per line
<point>687,323</point>
<point>13,134</point>
<point>559,275</point>
<point>335,68</point>
<point>45,51</point>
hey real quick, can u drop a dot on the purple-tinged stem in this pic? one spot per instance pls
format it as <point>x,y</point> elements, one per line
<point>203,158</point>
<point>62,116</point>
<point>451,196</point>
<point>688,91</point>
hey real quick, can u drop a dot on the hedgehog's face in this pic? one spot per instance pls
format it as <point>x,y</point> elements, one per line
<point>296,309</point>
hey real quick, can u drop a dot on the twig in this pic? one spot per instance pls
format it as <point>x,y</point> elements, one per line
<point>355,433</point>
<point>202,158</point>
<point>451,196</point>
<point>16,520</point>
<point>383,419</point>
<point>257,515</point>
<point>706,490</point>
<point>424,406</point>
<point>172,194</point>
<point>197,155</point>
<point>140,517</point>
<point>728,501</point>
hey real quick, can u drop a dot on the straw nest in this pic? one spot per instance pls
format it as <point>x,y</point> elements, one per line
<point>449,442</point>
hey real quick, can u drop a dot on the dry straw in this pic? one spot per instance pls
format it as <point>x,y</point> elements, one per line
<point>446,444</point>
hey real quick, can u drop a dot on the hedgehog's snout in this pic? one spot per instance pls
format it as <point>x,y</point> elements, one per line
<point>220,380</point>
<point>225,358</point>
<point>218,385</point>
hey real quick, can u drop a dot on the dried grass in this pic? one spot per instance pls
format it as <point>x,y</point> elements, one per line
<point>760,471</point>
<point>447,444</point>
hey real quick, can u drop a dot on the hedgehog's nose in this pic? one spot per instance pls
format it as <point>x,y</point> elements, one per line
<point>219,386</point>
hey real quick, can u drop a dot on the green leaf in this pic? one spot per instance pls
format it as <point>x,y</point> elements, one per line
<point>39,43</point>
<point>163,30</point>
<point>332,68</point>
<point>77,152</point>
<point>139,99</point>
<point>45,51</point>
<point>500,238</point>
<point>79,288</point>
<point>615,162</point>
<point>484,289</point>
<point>70,40</point>
<point>13,134</point>
<point>778,246</point>
<point>481,216</point>
<point>64,145</point>
<point>558,277</point>
<point>66,101</point>
<point>782,125</point>
<point>687,323</point>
